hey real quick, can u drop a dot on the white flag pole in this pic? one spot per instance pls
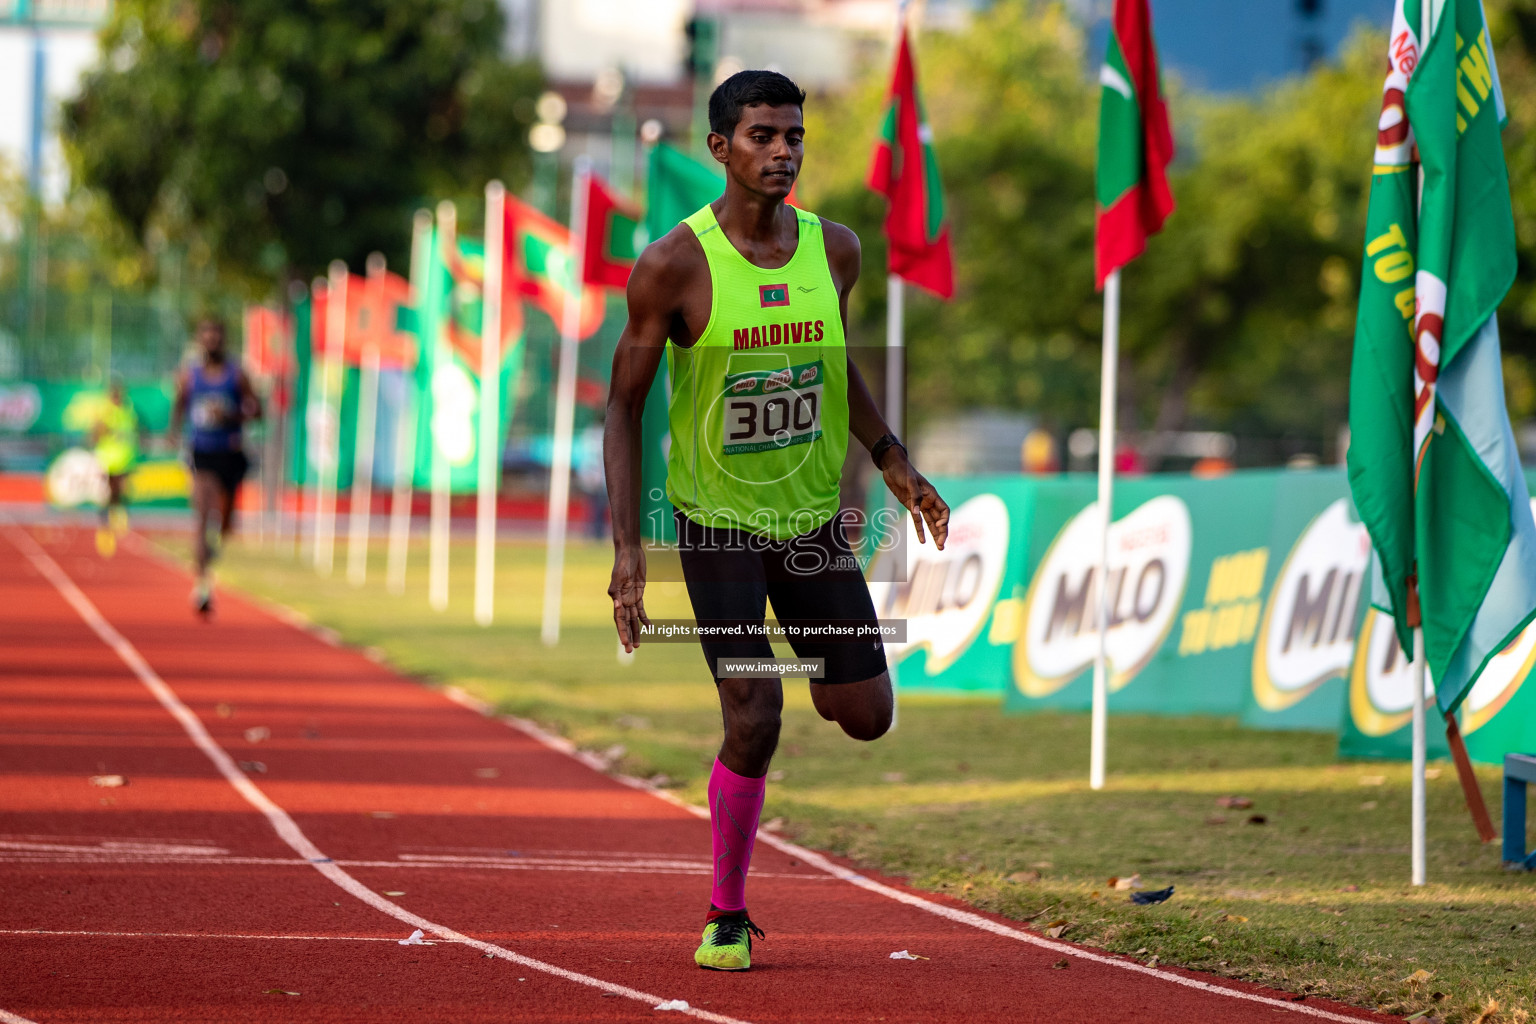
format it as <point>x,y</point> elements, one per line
<point>895,351</point>
<point>1419,757</point>
<point>489,442</point>
<point>360,521</point>
<point>895,389</point>
<point>304,514</point>
<point>565,413</point>
<point>1420,741</point>
<point>330,419</point>
<point>405,426</point>
<point>1107,390</point>
<point>437,582</point>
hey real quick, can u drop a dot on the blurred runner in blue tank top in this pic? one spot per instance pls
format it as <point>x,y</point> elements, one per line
<point>216,396</point>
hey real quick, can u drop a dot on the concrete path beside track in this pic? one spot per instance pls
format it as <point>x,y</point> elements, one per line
<point>293,810</point>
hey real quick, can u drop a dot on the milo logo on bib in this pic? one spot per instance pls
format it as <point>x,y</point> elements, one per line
<point>772,409</point>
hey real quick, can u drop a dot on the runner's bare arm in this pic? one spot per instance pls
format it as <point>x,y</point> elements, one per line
<point>250,402</point>
<point>178,408</point>
<point>909,486</point>
<point>657,288</point>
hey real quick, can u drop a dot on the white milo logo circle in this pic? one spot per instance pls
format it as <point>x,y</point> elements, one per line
<point>454,401</point>
<point>75,478</point>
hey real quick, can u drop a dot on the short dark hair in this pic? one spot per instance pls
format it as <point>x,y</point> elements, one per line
<point>749,89</point>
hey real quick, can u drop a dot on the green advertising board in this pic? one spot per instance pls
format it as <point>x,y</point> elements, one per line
<point>1243,595</point>
<point>1497,717</point>
<point>55,407</point>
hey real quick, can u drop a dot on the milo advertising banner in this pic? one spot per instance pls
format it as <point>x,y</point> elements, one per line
<point>1187,563</point>
<point>70,407</point>
<point>1313,603</point>
<point>1245,595</point>
<point>959,603</point>
<point>1497,717</point>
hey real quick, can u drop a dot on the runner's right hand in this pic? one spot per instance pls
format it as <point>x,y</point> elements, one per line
<point>628,592</point>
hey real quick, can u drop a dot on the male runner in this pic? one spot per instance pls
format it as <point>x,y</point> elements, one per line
<point>217,396</point>
<point>115,440</point>
<point>753,296</point>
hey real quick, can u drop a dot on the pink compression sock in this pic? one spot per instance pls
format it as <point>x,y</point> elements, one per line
<point>735,803</point>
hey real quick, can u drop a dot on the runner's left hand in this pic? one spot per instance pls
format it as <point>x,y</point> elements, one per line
<point>919,497</point>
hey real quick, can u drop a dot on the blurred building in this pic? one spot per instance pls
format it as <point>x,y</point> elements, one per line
<point>45,48</point>
<point>618,64</point>
<point>1242,45</point>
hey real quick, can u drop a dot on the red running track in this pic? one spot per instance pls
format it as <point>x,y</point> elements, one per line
<point>211,887</point>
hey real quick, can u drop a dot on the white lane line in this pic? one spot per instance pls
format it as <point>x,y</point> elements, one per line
<point>965,917</point>
<point>11,1018</point>
<point>108,857</point>
<point>278,818</point>
<point>193,935</point>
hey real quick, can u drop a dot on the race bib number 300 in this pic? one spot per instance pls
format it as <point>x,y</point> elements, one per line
<point>766,410</point>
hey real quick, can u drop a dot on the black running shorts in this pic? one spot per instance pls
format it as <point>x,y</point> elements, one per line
<point>229,467</point>
<point>813,579</point>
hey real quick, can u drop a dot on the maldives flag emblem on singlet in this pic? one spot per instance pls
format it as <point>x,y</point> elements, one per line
<point>773,295</point>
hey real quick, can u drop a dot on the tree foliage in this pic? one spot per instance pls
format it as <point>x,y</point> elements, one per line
<point>1239,317</point>
<point>271,136</point>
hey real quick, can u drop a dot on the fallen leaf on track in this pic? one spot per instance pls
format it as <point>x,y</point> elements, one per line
<point>257,733</point>
<point>279,992</point>
<point>1061,965</point>
<point>902,954</point>
<point>108,781</point>
<point>223,710</point>
<point>394,892</point>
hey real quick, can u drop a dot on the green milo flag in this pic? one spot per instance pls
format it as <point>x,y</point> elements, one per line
<point>676,186</point>
<point>319,430</point>
<point>1432,462</point>
<point>448,384</point>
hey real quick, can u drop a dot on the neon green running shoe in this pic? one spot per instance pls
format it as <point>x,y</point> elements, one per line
<point>727,944</point>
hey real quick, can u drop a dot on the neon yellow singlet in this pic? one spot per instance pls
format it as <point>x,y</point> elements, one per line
<point>759,409</point>
<point>117,449</point>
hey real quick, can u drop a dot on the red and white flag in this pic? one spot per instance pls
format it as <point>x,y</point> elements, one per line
<point>906,172</point>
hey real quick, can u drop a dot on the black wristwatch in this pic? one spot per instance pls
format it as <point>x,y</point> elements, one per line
<point>884,444</point>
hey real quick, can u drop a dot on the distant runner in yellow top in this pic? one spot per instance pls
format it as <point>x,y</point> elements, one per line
<point>115,437</point>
